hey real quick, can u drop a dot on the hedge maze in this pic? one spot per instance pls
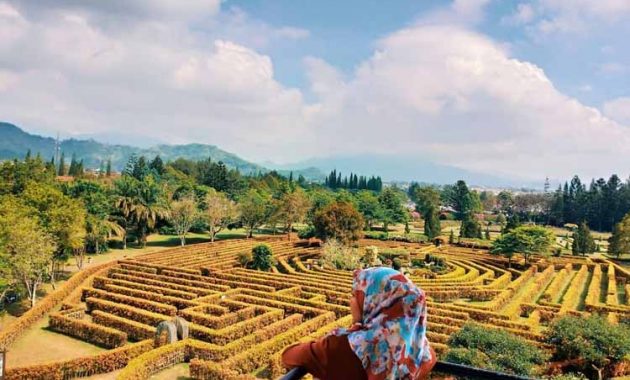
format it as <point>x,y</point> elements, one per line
<point>239,320</point>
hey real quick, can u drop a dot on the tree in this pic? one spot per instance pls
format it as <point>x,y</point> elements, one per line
<point>583,242</point>
<point>427,201</point>
<point>141,203</point>
<point>220,212</point>
<point>62,165</point>
<point>108,168</point>
<point>459,198</point>
<point>26,249</point>
<point>60,216</point>
<point>451,237</point>
<point>369,206</point>
<point>506,201</point>
<point>157,165</point>
<point>293,208</point>
<point>262,257</point>
<point>391,203</point>
<point>254,210</point>
<point>525,240</point>
<point>99,224</point>
<point>339,220</point>
<point>470,227</point>
<point>513,221</point>
<point>183,215</point>
<point>619,242</point>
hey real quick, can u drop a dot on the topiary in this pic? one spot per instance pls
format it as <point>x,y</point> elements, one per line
<point>262,257</point>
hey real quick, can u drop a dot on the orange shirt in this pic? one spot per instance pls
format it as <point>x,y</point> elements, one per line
<point>331,358</point>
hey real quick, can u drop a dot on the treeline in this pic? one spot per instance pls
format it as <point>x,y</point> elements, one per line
<point>602,204</point>
<point>353,182</point>
<point>45,222</point>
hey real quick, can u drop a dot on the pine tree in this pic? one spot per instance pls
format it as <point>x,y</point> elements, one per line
<point>62,165</point>
<point>131,164</point>
<point>108,168</point>
<point>72,171</point>
<point>451,237</point>
<point>157,165</point>
<point>583,242</point>
<point>619,242</point>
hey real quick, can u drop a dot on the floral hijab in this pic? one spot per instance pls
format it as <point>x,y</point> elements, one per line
<point>391,340</point>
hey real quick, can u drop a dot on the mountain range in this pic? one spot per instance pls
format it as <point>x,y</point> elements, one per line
<point>15,142</point>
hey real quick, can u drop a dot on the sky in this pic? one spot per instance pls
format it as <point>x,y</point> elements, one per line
<point>521,89</point>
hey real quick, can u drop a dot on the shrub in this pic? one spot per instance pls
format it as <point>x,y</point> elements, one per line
<point>468,356</point>
<point>370,257</point>
<point>505,351</point>
<point>262,257</point>
<point>396,264</point>
<point>307,233</point>
<point>593,340</point>
<point>244,258</point>
<point>338,256</point>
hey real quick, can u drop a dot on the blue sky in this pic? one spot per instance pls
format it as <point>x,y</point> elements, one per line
<point>343,34</point>
<point>513,88</point>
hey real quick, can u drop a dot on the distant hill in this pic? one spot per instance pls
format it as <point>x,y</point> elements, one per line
<point>399,168</point>
<point>14,143</point>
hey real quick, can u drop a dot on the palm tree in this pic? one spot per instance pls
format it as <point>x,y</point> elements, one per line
<point>142,203</point>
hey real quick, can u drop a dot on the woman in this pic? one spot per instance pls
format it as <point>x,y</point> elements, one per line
<point>387,339</point>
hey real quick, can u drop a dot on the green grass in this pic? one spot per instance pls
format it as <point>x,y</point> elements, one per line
<point>38,344</point>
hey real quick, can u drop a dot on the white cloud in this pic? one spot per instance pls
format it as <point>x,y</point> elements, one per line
<point>155,77</point>
<point>428,90</point>
<point>569,16</point>
<point>612,68</point>
<point>292,33</point>
<point>466,102</point>
<point>618,109</point>
<point>460,12</point>
<point>524,14</point>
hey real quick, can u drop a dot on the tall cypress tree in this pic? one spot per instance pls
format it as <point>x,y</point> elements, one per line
<point>62,165</point>
<point>108,168</point>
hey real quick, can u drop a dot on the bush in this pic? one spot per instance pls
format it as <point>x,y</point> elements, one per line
<point>598,343</point>
<point>244,258</point>
<point>470,357</point>
<point>506,352</point>
<point>417,263</point>
<point>396,264</point>
<point>307,233</point>
<point>262,257</point>
<point>338,256</point>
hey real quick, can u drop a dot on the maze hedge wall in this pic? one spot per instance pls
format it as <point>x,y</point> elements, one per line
<point>240,320</point>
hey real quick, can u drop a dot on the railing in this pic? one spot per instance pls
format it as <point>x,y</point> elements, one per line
<point>441,367</point>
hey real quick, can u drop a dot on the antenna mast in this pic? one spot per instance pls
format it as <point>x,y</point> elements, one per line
<point>57,150</point>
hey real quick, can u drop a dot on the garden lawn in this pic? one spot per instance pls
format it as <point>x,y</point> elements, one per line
<point>38,345</point>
